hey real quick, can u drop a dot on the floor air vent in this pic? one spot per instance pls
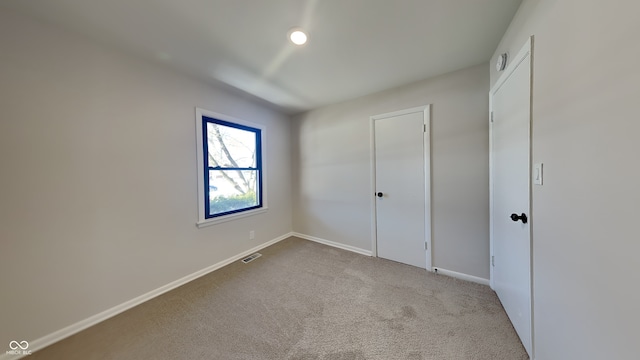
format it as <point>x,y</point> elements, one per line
<point>251,257</point>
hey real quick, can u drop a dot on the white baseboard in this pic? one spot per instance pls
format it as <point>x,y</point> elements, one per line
<point>461,276</point>
<point>63,333</point>
<point>334,244</point>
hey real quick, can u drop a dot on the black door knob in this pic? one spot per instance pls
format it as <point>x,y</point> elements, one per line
<point>379,194</point>
<point>516,217</point>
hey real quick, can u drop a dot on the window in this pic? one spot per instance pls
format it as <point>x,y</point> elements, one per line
<point>230,167</point>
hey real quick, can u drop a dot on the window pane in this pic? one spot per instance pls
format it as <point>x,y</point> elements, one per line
<point>232,190</point>
<point>231,147</point>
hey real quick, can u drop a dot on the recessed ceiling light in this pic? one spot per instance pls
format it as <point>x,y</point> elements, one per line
<point>297,36</point>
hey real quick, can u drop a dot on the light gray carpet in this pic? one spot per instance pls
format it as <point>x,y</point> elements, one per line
<point>307,301</point>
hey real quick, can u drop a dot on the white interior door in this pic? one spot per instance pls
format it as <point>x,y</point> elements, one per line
<point>401,191</point>
<point>510,195</point>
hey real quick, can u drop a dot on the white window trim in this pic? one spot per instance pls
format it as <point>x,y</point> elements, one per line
<point>202,220</point>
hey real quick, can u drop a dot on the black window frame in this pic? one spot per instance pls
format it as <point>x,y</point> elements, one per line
<point>205,148</point>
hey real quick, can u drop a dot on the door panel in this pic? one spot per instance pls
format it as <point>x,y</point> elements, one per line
<point>400,177</point>
<point>511,240</point>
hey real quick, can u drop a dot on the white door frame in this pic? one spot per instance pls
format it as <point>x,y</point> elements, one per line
<point>526,51</point>
<point>426,110</point>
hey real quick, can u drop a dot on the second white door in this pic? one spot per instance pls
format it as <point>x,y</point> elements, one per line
<point>510,193</point>
<point>401,191</point>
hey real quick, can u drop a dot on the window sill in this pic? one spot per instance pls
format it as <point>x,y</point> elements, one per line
<point>221,219</point>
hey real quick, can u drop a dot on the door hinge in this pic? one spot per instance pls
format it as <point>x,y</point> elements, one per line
<point>424,127</point>
<point>492,116</point>
<point>426,246</point>
<point>493,261</point>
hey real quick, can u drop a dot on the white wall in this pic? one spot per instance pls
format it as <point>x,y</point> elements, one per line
<point>98,182</point>
<point>586,241</point>
<point>331,168</point>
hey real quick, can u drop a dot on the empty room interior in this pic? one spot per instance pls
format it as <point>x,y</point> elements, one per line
<point>319,179</point>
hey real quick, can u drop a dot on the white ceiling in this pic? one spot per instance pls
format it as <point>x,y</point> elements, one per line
<point>356,47</point>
